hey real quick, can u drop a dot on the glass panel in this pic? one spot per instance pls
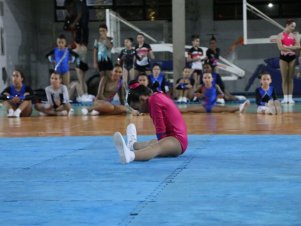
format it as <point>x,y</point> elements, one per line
<point>99,2</point>
<point>60,2</point>
<point>129,2</point>
<point>60,14</point>
<point>227,12</point>
<point>97,14</point>
<point>157,2</point>
<point>269,11</point>
<point>159,13</point>
<point>131,13</point>
<point>291,9</point>
<point>227,1</point>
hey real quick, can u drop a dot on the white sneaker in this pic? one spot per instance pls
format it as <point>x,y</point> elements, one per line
<point>10,113</point>
<point>126,156</point>
<point>17,113</point>
<point>179,100</point>
<point>184,100</point>
<point>84,111</point>
<point>220,101</point>
<point>79,99</point>
<point>241,98</point>
<point>244,106</point>
<point>285,100</point>
<point>131,134</point>
<point>290,101</point>
<point>93,112</point>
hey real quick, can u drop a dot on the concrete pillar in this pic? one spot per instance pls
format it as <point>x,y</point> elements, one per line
<point>178,37</point>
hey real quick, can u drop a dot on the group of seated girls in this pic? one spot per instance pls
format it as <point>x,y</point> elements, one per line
<point>18,97</point>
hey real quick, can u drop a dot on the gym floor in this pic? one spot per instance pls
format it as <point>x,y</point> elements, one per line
<point>239,169</point>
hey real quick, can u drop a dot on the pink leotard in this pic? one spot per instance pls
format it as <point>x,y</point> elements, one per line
<point>288,41</point>
<point>167,119</point>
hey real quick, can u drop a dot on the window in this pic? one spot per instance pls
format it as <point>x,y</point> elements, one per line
<point>232,9</point>
<point>128,9</point>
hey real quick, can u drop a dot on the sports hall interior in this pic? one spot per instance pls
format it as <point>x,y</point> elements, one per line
<point>239,169</point>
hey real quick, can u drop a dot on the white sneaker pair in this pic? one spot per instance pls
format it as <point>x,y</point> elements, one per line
<point>287,99</point>
<point>85,111</point>
<point>182,100</point>
<point>14,114</point>
<point>125,151</point>
<point>220,101</point>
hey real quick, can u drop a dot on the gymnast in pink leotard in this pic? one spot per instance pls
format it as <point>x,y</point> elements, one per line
<point>169,124</point>
<point>288,43</point>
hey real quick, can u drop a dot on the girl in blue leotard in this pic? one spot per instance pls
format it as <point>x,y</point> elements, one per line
<point>61,56</point>
<point>207,94</point>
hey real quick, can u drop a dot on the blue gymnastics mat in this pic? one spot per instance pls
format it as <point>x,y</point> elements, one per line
<point>220,180</point>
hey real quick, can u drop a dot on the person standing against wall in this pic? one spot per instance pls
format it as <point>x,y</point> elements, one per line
<point>288,43</point>
<point>143,55</point>
<point>77,20</point>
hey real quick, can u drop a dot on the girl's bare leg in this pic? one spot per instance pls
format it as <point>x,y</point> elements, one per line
<point>66,79</point>
<point>104,107</point>
<point>26,108</point>
<point>291,72</point>
<point>284,76</point>
<point>168,146</point>
<point>220,109</point>
<point>132,74</point>
<point>125,77</point>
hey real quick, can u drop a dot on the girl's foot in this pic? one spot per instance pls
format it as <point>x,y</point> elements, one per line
<point>131,134</point>
<point>126,156</point>
<point>272,108</point>
<point>278,107</point>
<point>244,106</point>
<point>85,111</point>
<point>10,113</point>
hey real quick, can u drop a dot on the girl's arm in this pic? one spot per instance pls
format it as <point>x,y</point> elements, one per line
<point>75,57</point>
<point>280,46</point>
<point>158,119</point>
<point>100,94</point>
<point>5,93</point>
<point>258,97</point>
<point>219,92</point>
<point>274,96</point>
<point>297,44</point>
<point>121,94</point>
<point>95,49</point>
<point>120,58</point>
<point>179,81</point>
<point>198,93</point>
<point>65,95</point>
<point>163,84</point>
<point>189,58</point>
<point>189,84</point>
<point>109,43</point>
<point>49,56</point>
<point>50,53</point>
<point>151,54</point>
<point>48,95</point>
